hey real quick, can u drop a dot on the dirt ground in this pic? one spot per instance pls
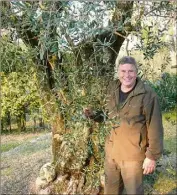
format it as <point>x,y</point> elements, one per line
<point>20,166</point>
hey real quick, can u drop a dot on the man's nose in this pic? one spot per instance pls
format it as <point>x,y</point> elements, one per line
<point>126,74</point>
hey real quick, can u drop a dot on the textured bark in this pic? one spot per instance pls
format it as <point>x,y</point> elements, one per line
<point>58,129</point>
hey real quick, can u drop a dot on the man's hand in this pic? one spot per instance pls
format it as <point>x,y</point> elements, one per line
<point>149,166</point>
<point>88,112</point>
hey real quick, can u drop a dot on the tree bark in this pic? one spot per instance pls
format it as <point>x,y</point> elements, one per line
<point>9,122</point>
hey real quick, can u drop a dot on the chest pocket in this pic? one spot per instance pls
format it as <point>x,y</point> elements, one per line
<point>135,106</point>
<point>135,110</point>
<point>138,119</point>
<point>133,114</point>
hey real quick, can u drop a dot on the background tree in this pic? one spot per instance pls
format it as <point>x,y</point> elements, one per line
<point>20,89</point>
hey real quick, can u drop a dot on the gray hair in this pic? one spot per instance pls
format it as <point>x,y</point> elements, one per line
<point>128,60</point>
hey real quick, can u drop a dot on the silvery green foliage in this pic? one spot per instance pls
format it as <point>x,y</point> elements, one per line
<point>78,20</point>
<point>153,32</point>
<point>83,20</point>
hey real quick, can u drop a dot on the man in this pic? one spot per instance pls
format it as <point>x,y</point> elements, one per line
<point>136,138</point>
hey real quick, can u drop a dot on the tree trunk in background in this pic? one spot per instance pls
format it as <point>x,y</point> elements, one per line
<point>19,124</point>
<point>34,123</point>
<point>9,125</point>
<point>24,119</point>
<point>2,125</point>
<point>41,123</point>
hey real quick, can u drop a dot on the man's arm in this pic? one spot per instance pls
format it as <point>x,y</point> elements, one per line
<point>154,129</point>
<point>97,116</point>
<point>155,134</point>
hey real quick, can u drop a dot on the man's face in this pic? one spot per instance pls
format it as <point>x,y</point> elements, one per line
<point>127,75</point>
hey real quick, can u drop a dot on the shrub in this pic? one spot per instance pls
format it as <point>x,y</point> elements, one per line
<point>166,90</point>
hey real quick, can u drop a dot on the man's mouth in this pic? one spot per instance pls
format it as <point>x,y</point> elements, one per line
<point>127,80</point>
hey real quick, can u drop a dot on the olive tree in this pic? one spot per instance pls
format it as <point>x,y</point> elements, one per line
<point>76,46</point>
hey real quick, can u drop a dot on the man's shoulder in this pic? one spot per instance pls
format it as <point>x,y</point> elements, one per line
<point>114,83</point>
<point>149,89</point>
<point>150,93</point>
<point>112,86</point>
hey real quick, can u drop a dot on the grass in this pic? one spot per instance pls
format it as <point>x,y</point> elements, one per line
<point>22,156</point>
<point>8,146</point>
<point>170,116</point>
<point>11,141</point>
<point>169,121</point>
<point>163,181</point>
<point>165,184</point>
<point>170,144</point>
<point>6,172</point>
<point>22,137</point>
